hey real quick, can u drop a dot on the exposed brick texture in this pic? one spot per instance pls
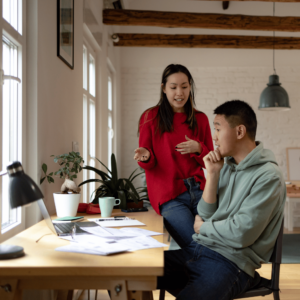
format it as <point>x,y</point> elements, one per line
<point>277,130</point>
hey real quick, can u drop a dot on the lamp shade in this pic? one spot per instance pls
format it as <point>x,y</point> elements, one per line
<point>274,97</point>
<point>22,189</point>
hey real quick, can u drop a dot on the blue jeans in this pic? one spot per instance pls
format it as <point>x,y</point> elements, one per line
<point>196,272</point>
<point>179,214</point>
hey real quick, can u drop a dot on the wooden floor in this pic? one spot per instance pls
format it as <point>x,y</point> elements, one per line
<point>289,281</point>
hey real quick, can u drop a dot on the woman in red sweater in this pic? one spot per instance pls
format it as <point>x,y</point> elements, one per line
<point>173,139</point>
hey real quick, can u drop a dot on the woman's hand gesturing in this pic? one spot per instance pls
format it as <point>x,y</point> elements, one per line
<point>190,146</point>
<point>141,154</point>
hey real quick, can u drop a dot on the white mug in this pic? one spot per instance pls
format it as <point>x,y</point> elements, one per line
<point>106,205</point>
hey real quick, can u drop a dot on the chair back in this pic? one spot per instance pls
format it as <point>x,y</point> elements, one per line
<point>276,256</point>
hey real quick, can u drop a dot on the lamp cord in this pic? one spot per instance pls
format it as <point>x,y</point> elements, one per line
<point>274,42</point>
<point>42,237</point>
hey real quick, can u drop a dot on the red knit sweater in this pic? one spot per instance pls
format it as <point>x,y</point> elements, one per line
<point>166,167</point>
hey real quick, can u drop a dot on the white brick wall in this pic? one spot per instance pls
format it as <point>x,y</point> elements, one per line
<point>215,85</point>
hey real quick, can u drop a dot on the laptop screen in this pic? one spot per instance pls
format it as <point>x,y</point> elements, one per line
<point>46,215</point>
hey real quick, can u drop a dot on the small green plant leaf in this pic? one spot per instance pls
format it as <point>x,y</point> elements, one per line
<point>132,174</point>
<point>50,179</point>
<point>136,176</point>
<point>114,168</point>
<point>133,197</point>
<point>90,180</point>
<point>103,165</point>
<point>44,168</point>
<point>103,175</point>
<point>131,187</point>
<point>42,180</point>
<point>122,197</point>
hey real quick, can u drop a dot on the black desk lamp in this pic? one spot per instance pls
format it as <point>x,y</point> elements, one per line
<point>22,190</point>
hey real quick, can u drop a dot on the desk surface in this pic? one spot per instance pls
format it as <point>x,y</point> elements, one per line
<point>293,195</point>
<point>42,260</point>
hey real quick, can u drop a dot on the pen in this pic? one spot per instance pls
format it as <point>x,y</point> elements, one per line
<point>117,218</point>
<point>110,220</point>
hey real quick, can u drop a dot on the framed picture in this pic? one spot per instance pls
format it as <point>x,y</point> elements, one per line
<point>65,31</point>
<point>293,163</point>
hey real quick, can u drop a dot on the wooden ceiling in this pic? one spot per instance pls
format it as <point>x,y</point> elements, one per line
<point>204,20</point>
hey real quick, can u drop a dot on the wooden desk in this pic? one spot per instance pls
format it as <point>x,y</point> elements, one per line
<point>44,268</point>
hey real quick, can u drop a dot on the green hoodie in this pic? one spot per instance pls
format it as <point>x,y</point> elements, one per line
<point>245,221</point>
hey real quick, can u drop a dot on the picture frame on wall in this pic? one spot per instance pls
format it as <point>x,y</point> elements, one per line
<point>293,163</point>
<point>65,31</point>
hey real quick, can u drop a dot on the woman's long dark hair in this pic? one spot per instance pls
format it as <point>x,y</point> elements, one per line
<point>165,112</point>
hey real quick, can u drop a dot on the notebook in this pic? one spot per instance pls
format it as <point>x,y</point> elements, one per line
<point>62,228</point>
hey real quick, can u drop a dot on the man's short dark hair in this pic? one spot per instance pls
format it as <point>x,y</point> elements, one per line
<point>238,112</point>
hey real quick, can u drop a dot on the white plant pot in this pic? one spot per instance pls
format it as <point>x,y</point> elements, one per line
<point>66,204</point>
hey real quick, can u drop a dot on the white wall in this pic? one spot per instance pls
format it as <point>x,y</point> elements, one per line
<point>54,93</point>
<point>54,96</point>
<point>219,74</point>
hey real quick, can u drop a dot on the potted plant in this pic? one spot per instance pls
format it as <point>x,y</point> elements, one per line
<point>67,200</point>
<point>112,185</point>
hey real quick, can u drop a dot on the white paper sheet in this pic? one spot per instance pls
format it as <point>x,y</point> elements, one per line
<point>104,249</point>
<point>88,238</point>
<point>109,233</point>
<point>140,231</point>
<point>140,243</point>
<point>119,233</point>
<point>117,223</point>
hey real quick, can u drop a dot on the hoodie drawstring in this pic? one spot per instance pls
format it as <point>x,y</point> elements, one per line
<point>231,189</point>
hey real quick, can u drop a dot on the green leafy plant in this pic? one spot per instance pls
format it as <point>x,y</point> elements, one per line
<point>70,165</point>
<point>113,186</point>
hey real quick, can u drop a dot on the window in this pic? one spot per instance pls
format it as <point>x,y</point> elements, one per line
<point>110,119</point>
<point>10,129</point>
<point>12,13</point>
<point>11,220</point>
<point>89,118</point>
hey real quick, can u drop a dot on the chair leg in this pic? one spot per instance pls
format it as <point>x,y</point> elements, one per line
<point>162,295</point>
<point>276,295</point>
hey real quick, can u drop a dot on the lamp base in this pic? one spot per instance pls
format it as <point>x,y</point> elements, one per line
<point>11,251</point>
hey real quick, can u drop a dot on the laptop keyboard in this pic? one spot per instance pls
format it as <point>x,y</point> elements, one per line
<point>67,227</point>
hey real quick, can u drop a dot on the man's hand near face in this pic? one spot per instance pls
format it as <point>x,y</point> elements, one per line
<point>213,163</point>
<point>198,223</point>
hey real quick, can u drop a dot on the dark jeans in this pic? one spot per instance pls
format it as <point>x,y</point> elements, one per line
<point>179,214</point>
<point>196,272</point>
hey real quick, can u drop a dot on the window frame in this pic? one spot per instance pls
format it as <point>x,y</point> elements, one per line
<point>20,41</point>
<point>111,74</point>
<point>87,188</point>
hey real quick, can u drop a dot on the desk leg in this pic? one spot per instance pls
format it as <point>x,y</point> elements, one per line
<point>9,291</point>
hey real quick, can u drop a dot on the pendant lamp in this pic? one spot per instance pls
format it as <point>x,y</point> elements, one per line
<point>274,97</point>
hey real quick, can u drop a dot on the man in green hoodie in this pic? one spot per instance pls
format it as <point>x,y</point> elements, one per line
<point>240,214</point>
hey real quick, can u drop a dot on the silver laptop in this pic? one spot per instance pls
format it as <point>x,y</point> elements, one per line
<point>62,228</point>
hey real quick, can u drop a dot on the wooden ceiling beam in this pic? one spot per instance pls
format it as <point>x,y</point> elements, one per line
<point>283,1</point>
<point>206,41</point>
<point>196,20</point>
